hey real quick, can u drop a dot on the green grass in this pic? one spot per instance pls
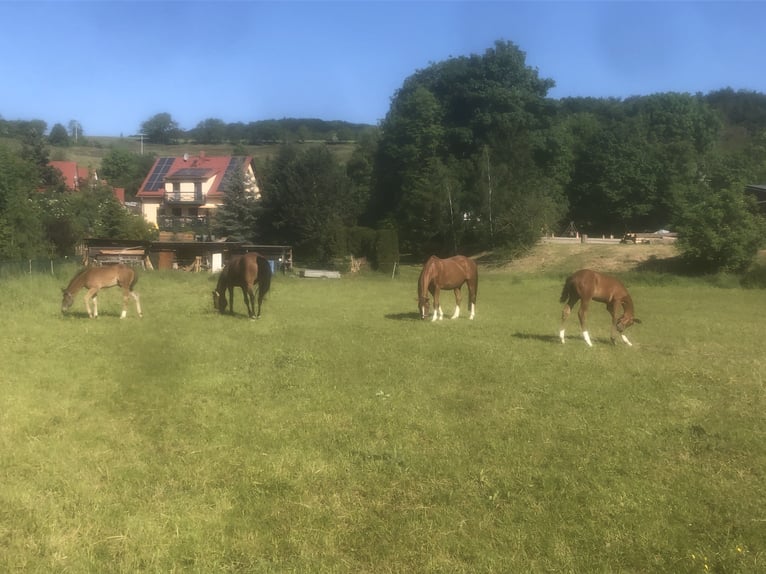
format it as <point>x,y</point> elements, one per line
<point>341,434</point>
<point>92,154</point>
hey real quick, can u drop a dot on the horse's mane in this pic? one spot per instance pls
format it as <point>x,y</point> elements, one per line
<point>425,276</point>
<point>76,283</point>
<point>223,279</point>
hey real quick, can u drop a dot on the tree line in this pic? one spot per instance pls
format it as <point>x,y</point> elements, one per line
<point>473,155</point>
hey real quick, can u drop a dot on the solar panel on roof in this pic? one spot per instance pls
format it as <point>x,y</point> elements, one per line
<point>158,175</point>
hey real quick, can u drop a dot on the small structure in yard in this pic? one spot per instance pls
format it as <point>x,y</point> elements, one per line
<point>98,252</point>
<point>661,236</point>
<point>320,273</point>
<point>180,251</point>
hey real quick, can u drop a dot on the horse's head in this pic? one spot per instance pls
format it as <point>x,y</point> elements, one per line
<point>626,321</point>
<point>66,300</point>
<point>424,305</point>
<point>219,301</point>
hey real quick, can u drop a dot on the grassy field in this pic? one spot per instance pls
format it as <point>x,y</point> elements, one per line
<point>339,433</point>
<point>97,147</point>
<point>92,154</point>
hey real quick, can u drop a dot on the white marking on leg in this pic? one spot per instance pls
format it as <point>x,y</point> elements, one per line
<point>456,314</point>
<point>123,314</point>
<point>473,311</point>
<point>137,299</point>
<point>587,338</point>
<point>562,337</point>
<point>436,314</point>
<point>441,313</point>
<point>95,306</point>
<point>624,338</point>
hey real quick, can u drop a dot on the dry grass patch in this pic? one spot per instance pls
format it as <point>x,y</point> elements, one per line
<point>549,257</point>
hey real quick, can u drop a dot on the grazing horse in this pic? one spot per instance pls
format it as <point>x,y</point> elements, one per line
<point>243,271</point>
<point>586,286</point>
<point>95,278</point>
<point>449,273</point>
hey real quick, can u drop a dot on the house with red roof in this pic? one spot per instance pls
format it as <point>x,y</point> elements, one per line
<point>74,176</point>
<point>77,177</point>
<point>182,192</point>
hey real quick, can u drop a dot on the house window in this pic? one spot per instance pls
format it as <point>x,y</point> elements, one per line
<point>198,190</point>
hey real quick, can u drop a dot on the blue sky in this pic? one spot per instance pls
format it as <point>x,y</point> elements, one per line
<point>111,64</point>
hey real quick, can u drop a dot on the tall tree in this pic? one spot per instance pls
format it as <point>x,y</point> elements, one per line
<point>439,129</point>
<point>21,231</point>
<point>160,129</point>
<point>236,218</point>
<point>210,131</point>
<point>58,136</point>
<point>122,168</point>
<point>307,196</point>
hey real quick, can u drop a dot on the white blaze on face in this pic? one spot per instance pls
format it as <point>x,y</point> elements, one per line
<point>586,336</point>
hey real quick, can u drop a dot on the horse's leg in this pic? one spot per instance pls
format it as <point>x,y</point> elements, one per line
<point>611,307</point>
<point>125,297</point>
<point>260,299</point>
<point>564,316</point>
<point>91,294</point>
<point>137,299</point>
<point>437,308</point>
<point>250,301</point>
<point>582,314</point>
<point>458,298</point>
<point>472,288</point>
<point>87,304</point>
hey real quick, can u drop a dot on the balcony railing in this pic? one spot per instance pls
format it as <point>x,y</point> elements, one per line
<point>199,225</point>
<point>184,197</point>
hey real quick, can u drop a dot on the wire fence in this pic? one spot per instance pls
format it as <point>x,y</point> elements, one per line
<point>55,267</point>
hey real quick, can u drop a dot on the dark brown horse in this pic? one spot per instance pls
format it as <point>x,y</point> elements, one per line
<point>452,273</point>
<point>243,271</point>
<point>586,286</point>
<point>95,278</point>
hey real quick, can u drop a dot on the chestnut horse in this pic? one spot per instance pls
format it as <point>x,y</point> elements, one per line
<point>586,286</point>
<point>449,273</point>
<point>95,278</point>
<point>243,271</point>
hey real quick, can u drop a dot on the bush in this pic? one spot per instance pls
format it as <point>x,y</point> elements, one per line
<point>361,242</point>
<point>721,232</point>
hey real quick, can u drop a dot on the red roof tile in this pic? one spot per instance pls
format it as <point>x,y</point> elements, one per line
<point>188,168</point>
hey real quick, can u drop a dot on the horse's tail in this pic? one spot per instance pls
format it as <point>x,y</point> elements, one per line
<point>264,276</point>
<point>566,290</point>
